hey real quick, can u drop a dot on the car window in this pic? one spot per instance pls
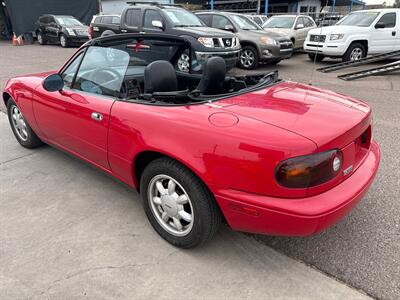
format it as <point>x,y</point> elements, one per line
<point>361,19</point>
<point>298,22</point>
<point>43,19</point>
<point>69,73</point>
<point>244,23</point>
<point>132,17</point>
<point>151,15</point>
<point>220,22</point>
<point>308,22</point>
<point>389,20</point>
<point>280,22</point>
<point>102,71</point>
<point>106,19</point>
<point>96,20</point>
<point>207,19</point>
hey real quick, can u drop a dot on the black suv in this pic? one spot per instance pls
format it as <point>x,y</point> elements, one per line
<point>101,23</point>
<point>66,30</point>
<point>142,17</point>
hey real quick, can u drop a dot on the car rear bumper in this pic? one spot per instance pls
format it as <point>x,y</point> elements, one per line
<point>298,217</point>
<point>328,49</point>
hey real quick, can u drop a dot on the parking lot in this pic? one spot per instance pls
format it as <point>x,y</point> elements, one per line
<point>67,230</point>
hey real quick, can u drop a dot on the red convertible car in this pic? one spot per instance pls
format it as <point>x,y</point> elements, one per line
<point>264,155</point>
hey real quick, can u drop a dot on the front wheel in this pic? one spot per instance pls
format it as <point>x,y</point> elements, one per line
<point>178,205</point>
<point>356,51</point>
<point>41,39</point>
<point>20,127</point>
<point>248,58</point>
<point>64,41</point>
<point>316,57</point>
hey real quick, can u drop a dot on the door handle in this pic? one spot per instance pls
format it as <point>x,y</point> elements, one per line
<point>393,33</point>
<point>97,116</point>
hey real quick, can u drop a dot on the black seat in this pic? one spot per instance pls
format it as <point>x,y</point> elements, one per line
<point>160,76</point>
<point>213,77</point>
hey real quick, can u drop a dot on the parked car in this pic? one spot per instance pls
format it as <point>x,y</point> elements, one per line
<point>172,19</point>
<point>328,19</point>
<point>200,148</point>
<point>65,30</point>
<point>259,19</point>
<point>295,27</point>
<point>257,45</point>
<point>356,35</point>
<point>101,23</point>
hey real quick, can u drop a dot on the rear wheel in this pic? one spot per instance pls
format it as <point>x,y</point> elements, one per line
<point>178,205</point>
<point>316,57</point>
<point>64,41</point>
<point>20,127</point>
<point>248,58</point>
<point>356,51</point>
<point>41,39</point>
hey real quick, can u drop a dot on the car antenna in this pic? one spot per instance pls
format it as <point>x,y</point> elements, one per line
<point>316,50</point>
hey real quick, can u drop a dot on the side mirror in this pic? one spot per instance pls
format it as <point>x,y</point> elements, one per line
<point>229,27</point>
<point>53,83</point>
<point>380,25</point>
<point>299,26</point>
<point>157,24</point>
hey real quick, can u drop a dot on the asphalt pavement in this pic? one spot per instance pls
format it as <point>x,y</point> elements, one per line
<point>363,250</point>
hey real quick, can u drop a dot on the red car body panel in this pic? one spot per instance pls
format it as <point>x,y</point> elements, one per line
<point>233,145</point>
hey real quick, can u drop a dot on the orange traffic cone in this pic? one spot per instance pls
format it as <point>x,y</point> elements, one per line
<point>14,40</point>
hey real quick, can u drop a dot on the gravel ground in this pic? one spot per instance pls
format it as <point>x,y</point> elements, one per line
<point>363,250</point>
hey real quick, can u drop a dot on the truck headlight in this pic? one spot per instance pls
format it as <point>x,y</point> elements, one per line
<point>70,31</point>
<point>265,40</point>
<point>206,42</point>
<point>336,36</point>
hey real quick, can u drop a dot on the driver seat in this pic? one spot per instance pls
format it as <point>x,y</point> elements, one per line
<point>213,77</point>
<point>160,76</point>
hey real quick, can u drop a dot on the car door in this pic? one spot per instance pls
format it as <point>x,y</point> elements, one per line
<point>300,32</point>
<point>149,16</point>
<point>384,39</point>
<point>52,29</point>
<point>77,117</point>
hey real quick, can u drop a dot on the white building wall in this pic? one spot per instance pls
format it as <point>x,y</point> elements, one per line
<point>310,6</point>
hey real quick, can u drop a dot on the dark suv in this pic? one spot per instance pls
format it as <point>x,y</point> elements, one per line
<point>101,23</point>
<point>142,17</point>
<point>257,44</point>
<point>65,30</point>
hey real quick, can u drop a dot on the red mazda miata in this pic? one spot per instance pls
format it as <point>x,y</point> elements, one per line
<point>265,155</point>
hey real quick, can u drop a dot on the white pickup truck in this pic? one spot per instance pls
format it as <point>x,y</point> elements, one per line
<point>356,35</point>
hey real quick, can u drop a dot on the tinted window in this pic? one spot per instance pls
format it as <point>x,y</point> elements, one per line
<point>69,73</point>
<point>206,19</point>
<point>97,20</point>
<point>389,20</point>
<point>133,17</point>
<point>220,22</point>
<point>43,19</point>
<point>106,20</point>
<point>116,20</point>
<point>150,16</point>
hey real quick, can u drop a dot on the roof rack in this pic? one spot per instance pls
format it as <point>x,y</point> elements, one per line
<point>363,61</point>
<point>158,4</point>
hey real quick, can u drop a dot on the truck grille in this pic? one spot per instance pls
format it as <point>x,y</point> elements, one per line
<point>226,43</point>
<point>317,38</point>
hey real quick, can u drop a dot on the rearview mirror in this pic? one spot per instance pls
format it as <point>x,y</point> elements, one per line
<point>157,24</point>
<point>229,27</point>
<point>299,26</point>
<point>380,25</point>
<point>53,83</point>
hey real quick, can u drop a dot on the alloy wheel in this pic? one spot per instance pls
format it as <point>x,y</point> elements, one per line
<point>40,38</point>
<point>171,205</point>
<point>184,63</point>
<point>247,58</point>
<point>63,41</point>
<point>19,123</point>
<point>356,54</point>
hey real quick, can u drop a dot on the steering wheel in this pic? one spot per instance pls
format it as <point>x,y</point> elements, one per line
<point>104,76</point>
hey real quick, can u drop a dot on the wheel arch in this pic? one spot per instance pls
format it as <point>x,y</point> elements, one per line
<point>362,42</point>
<point>6,97</point>
<point>250,43</point>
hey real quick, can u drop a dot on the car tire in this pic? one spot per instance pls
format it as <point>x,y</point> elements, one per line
<point>64,41</point>
<point>316,57</point>
<point>248,59</point>
<point>20,127</point>
<point>183,212</point>
<point>356,51</point>
<point>183,63</point>
<point>41,39</point>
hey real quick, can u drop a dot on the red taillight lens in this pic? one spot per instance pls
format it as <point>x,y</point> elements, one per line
<point>90,31</point>
<point>310,170</point>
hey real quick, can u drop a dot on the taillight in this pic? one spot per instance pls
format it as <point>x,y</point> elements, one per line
<point>90,31</point>
<point>309,170</point>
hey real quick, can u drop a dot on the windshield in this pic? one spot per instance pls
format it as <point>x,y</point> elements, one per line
<point>279,22</point>
<point>68,21</point>
<point>362,19</point>
<point>183,18</point>
<point>244,23</point>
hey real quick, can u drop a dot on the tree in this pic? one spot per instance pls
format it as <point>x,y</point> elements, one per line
<point>396,3</point>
